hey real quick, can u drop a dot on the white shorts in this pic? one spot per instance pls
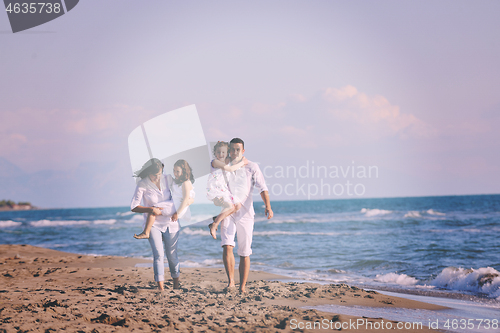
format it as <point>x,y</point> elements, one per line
<point>243,228</point>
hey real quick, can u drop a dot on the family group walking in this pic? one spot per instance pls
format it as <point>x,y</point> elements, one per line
<point>164,200</point>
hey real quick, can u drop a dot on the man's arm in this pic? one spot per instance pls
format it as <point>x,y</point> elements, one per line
<point>260,183</point>
<point>265,197</point>
<point>232,168</point>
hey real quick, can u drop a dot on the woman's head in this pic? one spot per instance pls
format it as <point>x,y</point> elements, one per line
<point>221,149</point>
<point>182,172</point>
<point>152,168</point>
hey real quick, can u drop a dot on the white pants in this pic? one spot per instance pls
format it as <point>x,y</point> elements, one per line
<point>243,228</point>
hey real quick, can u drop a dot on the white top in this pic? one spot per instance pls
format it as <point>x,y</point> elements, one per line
<point>177,196</point>
<point>246,180</point>
<point>147,193</point>
<point>217,186</point>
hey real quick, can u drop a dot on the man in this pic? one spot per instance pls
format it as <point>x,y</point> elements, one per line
<point>241,222</point>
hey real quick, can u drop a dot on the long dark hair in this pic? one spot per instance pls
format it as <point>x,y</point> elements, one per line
<point>151,167</point>
<point>187,172</point>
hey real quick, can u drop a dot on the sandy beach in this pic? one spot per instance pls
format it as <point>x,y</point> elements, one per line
<point>44,290</point>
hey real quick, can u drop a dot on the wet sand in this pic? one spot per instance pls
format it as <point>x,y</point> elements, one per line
<point>43,290</point>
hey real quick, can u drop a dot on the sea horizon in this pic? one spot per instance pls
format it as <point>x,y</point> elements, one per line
<point>256,196</point>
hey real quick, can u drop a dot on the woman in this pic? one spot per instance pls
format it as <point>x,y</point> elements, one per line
<point>164,235</point>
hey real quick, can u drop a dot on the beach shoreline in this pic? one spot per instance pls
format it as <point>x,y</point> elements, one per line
<point>44,289</point>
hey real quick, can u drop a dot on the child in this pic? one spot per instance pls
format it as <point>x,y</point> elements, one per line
<point>182,184</point>
<point>182,190</point>
<point>217,184</point>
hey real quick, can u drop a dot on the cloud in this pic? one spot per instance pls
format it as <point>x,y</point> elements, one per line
<point>61,139</point>
<point>332,117</point>
<point>374,116</point>
<point>16,137</point>
<point>298,137</point>
<point>337,95</point>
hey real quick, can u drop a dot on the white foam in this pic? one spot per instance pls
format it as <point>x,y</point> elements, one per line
<point>414,320</point>
<point>189,231</point>
<point>424,214</point>
<point>280,232</point>
<point>48,223</point>
<point>9,224</point>
<point>125,214</point>
<point>401,279</point>
<point>211,262</point>
<point>473,230</point>
<point>375,212</point>
<point>200,217</point>
<point>204,263</point>
<point>413,214</point>
<point>301,218</point>
<point>433,212</point>
<point>135,219</point>
<point>482,280</point>
<point>281,221</point>
<point>206,232</point>
<point>111,221</point>
<point>448,231</point>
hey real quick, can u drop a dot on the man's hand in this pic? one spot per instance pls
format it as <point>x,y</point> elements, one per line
<point>269,213</point>
<point>265,197</point>
<point>174,217</point>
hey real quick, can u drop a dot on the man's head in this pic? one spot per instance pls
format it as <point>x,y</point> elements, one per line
<point>236,149</point>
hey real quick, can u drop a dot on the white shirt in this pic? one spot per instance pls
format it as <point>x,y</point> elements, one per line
<point>246,180</point>
<point>149,194</point>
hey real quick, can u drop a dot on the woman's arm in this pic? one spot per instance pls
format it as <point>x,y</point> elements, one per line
<point>225,167</point>
<point>150,210</point>
<point>187,186</point>
<point>136,207</point>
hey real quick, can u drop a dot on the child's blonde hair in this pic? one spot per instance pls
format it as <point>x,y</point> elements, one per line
<point>220,144</point>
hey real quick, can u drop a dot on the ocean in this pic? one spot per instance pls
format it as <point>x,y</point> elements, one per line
<point>447,244</point>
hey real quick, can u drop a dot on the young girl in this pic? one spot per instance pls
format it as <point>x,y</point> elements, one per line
<point>217,184</point>
<point>182,190</point>
<point>179,187</point>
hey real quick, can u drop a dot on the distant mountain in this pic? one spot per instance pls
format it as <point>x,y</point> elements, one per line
<point>9,169</point>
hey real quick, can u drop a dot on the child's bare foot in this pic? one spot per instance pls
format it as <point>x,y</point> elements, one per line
<point>142,235</point>
<point>213,229</point>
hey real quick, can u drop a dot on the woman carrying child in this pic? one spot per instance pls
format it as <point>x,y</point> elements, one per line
<point>153,197</point>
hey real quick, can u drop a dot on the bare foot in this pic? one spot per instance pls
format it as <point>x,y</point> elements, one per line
<point>142,235</point>
<point>230,286</point>
<point>160,285</point>
<point>177,284</point>
<point>243,291</point>
<point>229,289</point>
<point>213,229</point>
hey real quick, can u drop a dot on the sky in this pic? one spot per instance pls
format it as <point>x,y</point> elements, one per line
<point>405,89</point>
